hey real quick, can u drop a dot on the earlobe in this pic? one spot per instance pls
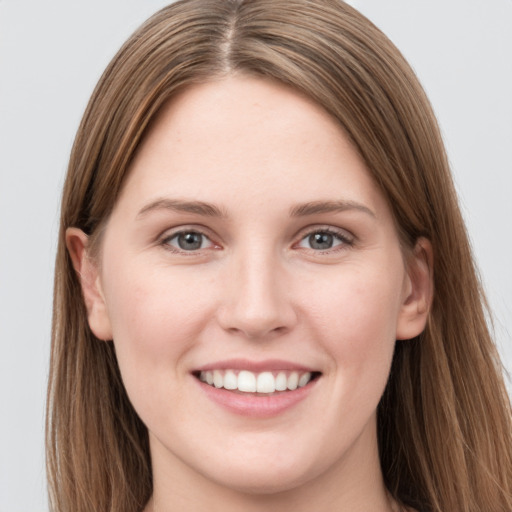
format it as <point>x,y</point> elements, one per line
<point>419,291</point>
<point>88,274</point>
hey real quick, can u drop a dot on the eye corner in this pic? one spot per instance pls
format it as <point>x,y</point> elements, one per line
<point>188,241</point>
<point>324,240</point>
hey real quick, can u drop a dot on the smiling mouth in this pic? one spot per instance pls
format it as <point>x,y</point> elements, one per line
<point>258,384</point>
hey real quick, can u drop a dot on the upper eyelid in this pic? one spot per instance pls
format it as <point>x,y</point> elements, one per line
<point>343,233</point>
<point>172,232</point>
<point>333,230</point>
<point>346,238</point>
<point>177,233</point>
<point>164,242</point>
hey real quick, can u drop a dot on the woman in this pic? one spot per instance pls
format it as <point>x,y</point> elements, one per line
<point>265,297</point>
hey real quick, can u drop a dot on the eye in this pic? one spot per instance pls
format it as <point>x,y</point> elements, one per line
<point>324,240</point>
<point>188,241</point>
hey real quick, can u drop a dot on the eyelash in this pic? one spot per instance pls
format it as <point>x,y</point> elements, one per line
<point>342,236</point>
<point>344,241</point>
<point>166,241</point>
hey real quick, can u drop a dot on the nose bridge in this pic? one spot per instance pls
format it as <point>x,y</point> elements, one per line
<point>256,301</point>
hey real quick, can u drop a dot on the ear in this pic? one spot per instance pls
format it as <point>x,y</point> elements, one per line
<point>88,273</point>
<point>418,291</point>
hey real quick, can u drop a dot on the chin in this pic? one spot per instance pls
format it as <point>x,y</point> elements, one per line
<point>263,478</point>
<point>262,483</point>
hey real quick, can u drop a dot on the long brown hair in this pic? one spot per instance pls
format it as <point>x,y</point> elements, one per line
<point>444,422</point>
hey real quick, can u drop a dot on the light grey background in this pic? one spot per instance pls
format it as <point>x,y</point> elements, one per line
<point>51,55</point>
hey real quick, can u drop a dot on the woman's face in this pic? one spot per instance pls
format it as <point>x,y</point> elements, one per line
<point>249,246</point>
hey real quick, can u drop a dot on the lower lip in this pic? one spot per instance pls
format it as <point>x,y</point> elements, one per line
<point>254,405</point>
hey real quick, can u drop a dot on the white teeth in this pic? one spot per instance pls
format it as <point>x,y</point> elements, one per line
<point>249,382</point>
<point>230,380</point>
<point>281,382</point>
<point>265,383</point>
<point>246,381</point>
<point>293,381</point>
<point>304,379</point>
<point>218,381</point>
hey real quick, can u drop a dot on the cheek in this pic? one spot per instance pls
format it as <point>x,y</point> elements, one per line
<point>357,321</point>
<point>151,301</point>
<point>156,318</point>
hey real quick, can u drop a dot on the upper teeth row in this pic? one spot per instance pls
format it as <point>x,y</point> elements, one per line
<point>249,382</point>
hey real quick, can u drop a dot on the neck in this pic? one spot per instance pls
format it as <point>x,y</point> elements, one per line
<point>295,501</point>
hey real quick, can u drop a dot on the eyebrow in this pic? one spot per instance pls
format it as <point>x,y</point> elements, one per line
<point>210,210</point>
<point>176,205</point>
<point>316,207</point>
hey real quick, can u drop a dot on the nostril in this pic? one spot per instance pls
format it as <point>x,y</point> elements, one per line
<point>257,330</point>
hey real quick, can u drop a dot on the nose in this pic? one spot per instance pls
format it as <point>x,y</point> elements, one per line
<point>256,298</point>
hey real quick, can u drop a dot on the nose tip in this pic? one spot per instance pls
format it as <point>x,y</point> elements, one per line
<point>256,304</point>
<point>253,324</point>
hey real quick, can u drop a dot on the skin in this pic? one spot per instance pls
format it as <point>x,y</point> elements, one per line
<point>257,290</point>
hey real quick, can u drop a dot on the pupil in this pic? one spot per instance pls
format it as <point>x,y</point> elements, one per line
<point>321,240</point>
<point>190,241</point>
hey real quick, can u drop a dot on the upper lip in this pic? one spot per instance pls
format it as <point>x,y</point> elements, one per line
<point>255,366</point>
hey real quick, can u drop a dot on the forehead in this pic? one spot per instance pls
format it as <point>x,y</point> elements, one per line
<point>223,139</point>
